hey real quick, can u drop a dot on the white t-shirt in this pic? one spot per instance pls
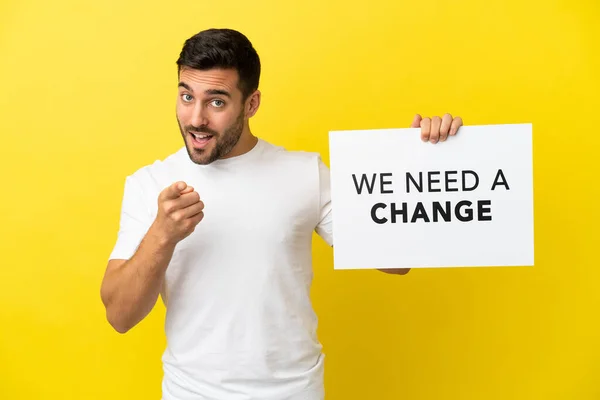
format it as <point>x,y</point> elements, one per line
<point>239,320</point>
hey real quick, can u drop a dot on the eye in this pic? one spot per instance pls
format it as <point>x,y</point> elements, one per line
<point>218,103</point>
<point>187,97</point>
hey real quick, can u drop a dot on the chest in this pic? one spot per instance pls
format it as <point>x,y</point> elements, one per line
<point>258,209</point>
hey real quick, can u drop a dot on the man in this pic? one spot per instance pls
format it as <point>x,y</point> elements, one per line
<point>235,276</point>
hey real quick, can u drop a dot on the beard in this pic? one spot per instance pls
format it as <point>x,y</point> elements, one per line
<point>224,142</point>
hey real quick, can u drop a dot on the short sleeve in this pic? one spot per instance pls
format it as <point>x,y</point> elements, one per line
<point>134,221</point>
<point>325,226</point>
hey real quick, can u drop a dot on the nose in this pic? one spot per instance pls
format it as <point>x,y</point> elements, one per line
<point>199,117</point>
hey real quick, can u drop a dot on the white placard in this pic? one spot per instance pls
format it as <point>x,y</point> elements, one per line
<point>401,203</point>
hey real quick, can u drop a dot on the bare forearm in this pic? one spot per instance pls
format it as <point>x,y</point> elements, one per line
<point>396,271</point>
<point>131,290</point>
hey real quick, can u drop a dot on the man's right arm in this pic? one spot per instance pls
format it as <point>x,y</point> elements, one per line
<point>130,287</point>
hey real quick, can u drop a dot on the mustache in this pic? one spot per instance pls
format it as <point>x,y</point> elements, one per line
<point>201,129</point>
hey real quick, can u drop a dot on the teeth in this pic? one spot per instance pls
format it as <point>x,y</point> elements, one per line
<point>200,136</point>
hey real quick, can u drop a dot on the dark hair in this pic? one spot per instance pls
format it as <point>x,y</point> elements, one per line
<point>223,48</point>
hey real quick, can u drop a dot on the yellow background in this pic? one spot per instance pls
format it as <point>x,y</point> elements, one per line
<point>87,96</point>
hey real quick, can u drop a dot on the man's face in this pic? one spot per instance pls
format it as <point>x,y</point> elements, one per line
<point>210,113</point>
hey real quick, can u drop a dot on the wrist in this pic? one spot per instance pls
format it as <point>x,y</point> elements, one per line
<point>160,239</point>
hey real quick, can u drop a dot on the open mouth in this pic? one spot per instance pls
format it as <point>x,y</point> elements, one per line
<point>200,140</point>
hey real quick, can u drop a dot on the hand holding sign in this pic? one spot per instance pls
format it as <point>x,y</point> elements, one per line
<point>432,130</point>
<point>437,129</point>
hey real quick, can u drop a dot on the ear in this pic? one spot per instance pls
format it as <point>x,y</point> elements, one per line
<point>252,104</point>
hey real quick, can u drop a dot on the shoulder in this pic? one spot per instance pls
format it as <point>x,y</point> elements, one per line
<point>284,157</point>
<point>301,168</point>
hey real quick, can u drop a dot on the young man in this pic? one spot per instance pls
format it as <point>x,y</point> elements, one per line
<point>222,231</point>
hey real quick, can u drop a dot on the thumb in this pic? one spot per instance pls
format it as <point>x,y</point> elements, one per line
<point>416,122</point>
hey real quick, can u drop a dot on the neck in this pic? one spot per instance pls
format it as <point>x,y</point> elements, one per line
<point>246,143</point>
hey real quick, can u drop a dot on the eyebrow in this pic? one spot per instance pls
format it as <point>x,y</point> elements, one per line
<point>217,92</point>
<point>211,92</point>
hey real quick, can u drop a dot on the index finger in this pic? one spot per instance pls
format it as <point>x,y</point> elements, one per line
<point>173,191</point>
<point>188,189</point>
<point>456,123</point>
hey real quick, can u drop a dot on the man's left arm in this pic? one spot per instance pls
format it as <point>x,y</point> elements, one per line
<point>433,130</point>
